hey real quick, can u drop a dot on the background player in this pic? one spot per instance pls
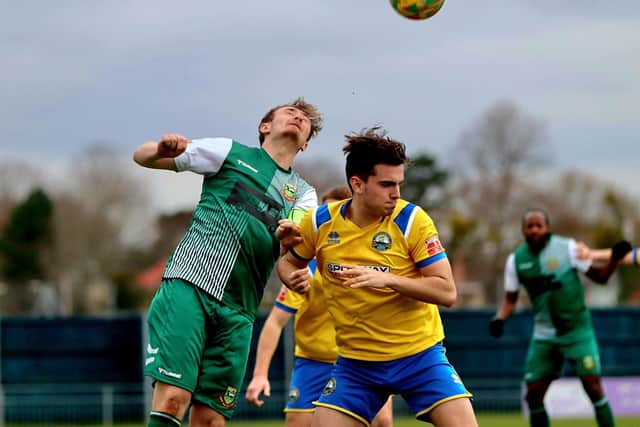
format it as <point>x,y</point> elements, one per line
<point>547,266</point>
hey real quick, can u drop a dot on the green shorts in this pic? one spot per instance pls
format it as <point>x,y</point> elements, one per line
<point>197,344</point>
<point>545,359</point>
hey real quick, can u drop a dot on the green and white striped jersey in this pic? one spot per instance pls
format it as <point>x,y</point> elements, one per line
<point>230,248</point>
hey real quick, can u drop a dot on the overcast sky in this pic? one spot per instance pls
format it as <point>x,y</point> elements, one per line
<point>74,72</point>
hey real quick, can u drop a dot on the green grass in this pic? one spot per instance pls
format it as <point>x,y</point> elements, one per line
<point>485,420</point>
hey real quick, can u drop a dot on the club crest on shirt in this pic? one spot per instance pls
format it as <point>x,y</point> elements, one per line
<point>552,263</point>
<point>333,238</point>
<point>288,191</point>
<point>381,241</point>
<point>294,395</point>
<point>433,245</point>
<point>228,399</point>
<point>330,387</point>
<point>588,363</point>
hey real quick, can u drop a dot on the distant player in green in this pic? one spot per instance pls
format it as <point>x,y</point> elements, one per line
<point>547,266</point>
<point>201,319</point>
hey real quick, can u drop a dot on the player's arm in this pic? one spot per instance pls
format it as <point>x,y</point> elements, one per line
<point>267,344</point>
<point>294,273</point>
<point>603,255</point>
<point>434,286</point>
<point>601,273</point>
<point>161,154</point>
<point>509,300</point>
<point>288,231</point>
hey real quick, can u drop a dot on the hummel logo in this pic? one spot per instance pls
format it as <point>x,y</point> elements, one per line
<point>248,166</point>
<point>169,374</point>
<point>152,350</point>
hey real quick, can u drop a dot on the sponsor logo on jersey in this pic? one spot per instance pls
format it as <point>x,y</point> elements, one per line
<point>169,374</point>
<point>552,263</point>
<point>294,394</point>
<point>525,265</point>
<point>228,399</point>
<point>334,268</point>
<point>333,238</point>
<point>330,387</point>
<point>381,241</point>
<point>289,192</point>
<point>248,166</point>
<point>433,245</point>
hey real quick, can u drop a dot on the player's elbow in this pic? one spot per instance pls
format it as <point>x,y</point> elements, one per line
<point>449,298</point>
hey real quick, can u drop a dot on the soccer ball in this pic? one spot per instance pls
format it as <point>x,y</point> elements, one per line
<point>417,9</point>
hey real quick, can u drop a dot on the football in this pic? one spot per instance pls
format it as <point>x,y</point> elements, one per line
<point>417,9</point>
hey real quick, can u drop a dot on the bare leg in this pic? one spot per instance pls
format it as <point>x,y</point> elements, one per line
<point>454,413</point>
<point>324,417</point>
<point>203,416</point>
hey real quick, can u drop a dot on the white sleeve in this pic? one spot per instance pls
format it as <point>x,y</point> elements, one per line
<point>580,264</point>
<point>204,156</point>
<point>308,201</point>
<point>511,282</point>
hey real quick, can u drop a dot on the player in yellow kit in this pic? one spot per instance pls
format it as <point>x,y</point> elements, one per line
<point>383,274</point>
<point>315,351</point>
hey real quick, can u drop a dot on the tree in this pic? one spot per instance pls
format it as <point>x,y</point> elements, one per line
<point>24,239</point>
<point>497,150</point>
<point>94,229</point>
<point>27,231</point>
<point>425,181</point>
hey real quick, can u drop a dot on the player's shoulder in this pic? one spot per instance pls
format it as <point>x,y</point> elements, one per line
<point>557,241</point>
<point>406,215</point>
<point>328,212</point>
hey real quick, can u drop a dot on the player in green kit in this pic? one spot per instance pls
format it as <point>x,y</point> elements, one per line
<point>547,266</point>
<point>201,319</point>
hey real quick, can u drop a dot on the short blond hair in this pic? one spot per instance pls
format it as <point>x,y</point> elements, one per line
<point>309,110</point>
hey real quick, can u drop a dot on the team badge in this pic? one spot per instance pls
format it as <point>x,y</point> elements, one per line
<point>330,387</point>
<point>228,400</point>
<point>294,395</point>
<point>381,241</point>
<point>588,363</point>
<point>433,245</point>
<point>289,192</point>
<point>333,238</point>
<point>552,263</point>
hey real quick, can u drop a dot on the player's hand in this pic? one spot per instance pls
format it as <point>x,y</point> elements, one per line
<point>288,232</point>
<point>258,386</point>
<point>496,327</point>
<point>172,145</point>
<point>620,249</point>
<point>583,252</point>
<point>361,277</point>
<point>298,281</point>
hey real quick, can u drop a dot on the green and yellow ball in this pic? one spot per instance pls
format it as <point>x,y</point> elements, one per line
<point>417,9</point>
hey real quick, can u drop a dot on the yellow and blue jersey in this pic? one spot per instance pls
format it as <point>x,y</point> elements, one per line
<point>313,326</point>
<point>374,324</point>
